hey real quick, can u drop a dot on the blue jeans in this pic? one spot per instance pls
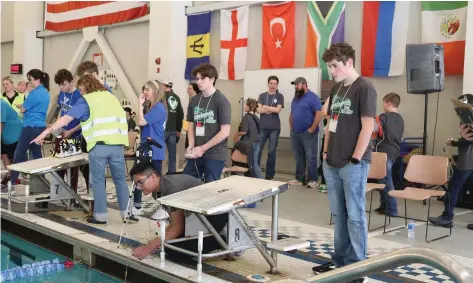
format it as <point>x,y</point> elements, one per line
<point>273,136</point>
<point>99,156</point>
<point>454,188</point>
<point>346,188</point>
<point>170,138</point>
<point>255,169</point>
<point>138,194</point>
<point>388,180</point>
<point>207,170</point>
<point>304,147</point>
<point>21,153</point>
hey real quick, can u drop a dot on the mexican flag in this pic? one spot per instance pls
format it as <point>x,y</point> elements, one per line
<point>444,22</point>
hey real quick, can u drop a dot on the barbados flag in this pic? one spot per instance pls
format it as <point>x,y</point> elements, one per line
<point>198,42</point>
<point>383,44</point>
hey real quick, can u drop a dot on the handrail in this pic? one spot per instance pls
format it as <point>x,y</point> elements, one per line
<point>397,258</point>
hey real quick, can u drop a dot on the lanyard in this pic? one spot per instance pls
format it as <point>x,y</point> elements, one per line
<point>70,100</point>
<point>267,94</point>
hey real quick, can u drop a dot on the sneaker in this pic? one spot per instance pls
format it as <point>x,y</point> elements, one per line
<point>380,210</point>
<point>92,220</point>
<point>329,266</point>
<point>137,211</point>
<point>322,188</point>
<point>469,226</point>
<point>295,183</point>
<point>441,221</point>
<point>131,218</point>
<point>311,184</point>
<point>160,214</point>
<point>268,178</point>
<point>360,280</point>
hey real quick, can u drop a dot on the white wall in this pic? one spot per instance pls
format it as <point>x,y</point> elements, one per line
<point>7,21</point>
<point>7,58</point>
<point>411,105</point>
<point>128,43</point>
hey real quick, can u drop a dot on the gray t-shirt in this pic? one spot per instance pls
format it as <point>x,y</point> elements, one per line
<point>171,184</point>
<point>393,128</point>
<point>210,112</point>
<point>349,105</point>
<point>250,124</point>
<point>271,121</point>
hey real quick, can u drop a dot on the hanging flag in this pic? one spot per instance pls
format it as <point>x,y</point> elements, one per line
<point>384,39</point>
<point>325,26</point>
<point>444,22</point>
<point>233,43</point>
<point>70,15</point>
<point>278,35</point>
<point>198,42</point>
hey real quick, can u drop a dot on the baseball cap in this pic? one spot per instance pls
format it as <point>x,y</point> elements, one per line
<point>299,80</point>
<point>167,82</point>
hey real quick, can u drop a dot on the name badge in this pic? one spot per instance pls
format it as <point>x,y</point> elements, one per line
<point>200,130</point>
<point>333,124</point>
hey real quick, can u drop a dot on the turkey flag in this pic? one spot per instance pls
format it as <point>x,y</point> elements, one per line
<point>278,35</point>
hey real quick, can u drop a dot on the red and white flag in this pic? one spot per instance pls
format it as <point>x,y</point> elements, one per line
<point>233,43</point>
<point>70,15</point>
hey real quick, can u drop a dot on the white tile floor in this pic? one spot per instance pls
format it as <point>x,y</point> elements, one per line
<point>303,213</point>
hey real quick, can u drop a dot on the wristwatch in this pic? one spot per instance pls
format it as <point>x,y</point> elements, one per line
<point>354,160</point>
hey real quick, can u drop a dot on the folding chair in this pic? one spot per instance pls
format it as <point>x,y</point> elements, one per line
<point>431,171</point>
<point>237,158</point>
<point>378,172</point>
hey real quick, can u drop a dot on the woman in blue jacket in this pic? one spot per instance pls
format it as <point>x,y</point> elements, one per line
<point>152,124</point>
<point>34,109</point>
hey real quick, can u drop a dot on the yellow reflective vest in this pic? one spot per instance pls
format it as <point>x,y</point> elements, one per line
<point>107,120</point>
<point>19,99</point>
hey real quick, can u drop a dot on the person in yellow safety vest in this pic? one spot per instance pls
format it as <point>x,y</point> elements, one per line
<point>11,96</point>
<point>105,130</point>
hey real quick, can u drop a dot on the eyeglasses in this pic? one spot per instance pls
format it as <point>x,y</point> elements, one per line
<point>140,183</point>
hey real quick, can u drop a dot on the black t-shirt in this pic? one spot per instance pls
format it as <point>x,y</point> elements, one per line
<point>175,112</point>
<point>393,129</point>
<point>349,103</point>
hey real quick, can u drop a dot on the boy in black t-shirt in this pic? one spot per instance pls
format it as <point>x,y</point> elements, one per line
<point>388,140</point>
<point>347,156</point>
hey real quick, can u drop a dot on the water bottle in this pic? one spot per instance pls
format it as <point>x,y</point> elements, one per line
<point>411,231</point>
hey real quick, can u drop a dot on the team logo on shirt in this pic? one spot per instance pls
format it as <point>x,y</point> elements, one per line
<point>172,102</point>
<point>341,105</point>
<point>201,114</point>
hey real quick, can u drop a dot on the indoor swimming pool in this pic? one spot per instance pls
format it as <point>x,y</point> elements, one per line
<point>18,252</point>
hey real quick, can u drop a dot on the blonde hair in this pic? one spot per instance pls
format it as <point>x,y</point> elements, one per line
<point>158,92</point>
<point>7,79</point>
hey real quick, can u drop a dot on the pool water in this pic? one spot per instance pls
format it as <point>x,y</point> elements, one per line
<point>16,252</point>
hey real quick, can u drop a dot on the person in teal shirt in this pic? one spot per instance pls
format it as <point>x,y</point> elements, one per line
<point>10,130</point>
<point>34,109</point>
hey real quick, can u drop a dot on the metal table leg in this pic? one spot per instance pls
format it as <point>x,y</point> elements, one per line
<point>69,177</point>
<point>274,231</point>
<point>71,191</point>
<point>255,239</point>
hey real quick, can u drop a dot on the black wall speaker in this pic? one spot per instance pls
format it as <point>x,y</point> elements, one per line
<point>424,68</point>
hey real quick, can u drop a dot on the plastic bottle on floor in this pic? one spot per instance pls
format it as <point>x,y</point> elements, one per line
<point>411,231</point>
